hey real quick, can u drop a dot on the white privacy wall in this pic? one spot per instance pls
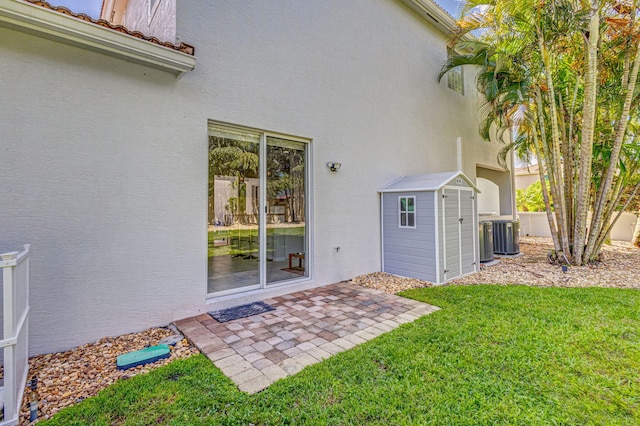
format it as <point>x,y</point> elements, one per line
<point>103,163</point>
<point>536,224</point>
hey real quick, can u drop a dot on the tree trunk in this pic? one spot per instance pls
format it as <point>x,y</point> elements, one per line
<point>636,234</point>
<point>588,129</point>
<point>605,189</point>
<point>545,163</point>
<point>567,169</point>
<point>545,193</point>
<point>557,181</point>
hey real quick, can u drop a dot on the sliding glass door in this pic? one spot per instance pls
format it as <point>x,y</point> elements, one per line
<point>234,207</point>
<point>286,231</point>
<point>251,246</point>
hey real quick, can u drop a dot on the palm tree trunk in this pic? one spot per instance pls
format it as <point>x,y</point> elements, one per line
<point>552,174</point>
<point>557,185</point>
<point>588,129</point>
<point>545,193</point>
<point>567,168</point>
<point>621,129</point>
<point>570,161</point>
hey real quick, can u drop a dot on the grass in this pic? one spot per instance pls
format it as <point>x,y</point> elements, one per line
<point>245,235</point>
<point>492,355</point>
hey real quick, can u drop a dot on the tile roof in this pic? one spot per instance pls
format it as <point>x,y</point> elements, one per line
<point>182,47</point>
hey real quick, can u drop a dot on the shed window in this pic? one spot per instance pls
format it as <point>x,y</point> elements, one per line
<point>407,209</point>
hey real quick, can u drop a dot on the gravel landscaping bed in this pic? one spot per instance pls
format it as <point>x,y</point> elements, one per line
<point>389,283</point>
<point>66,378</point>
<point>619,268</point>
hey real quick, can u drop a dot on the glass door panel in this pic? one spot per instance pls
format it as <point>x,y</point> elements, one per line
<point>286,210</point>
<point>234,210</point>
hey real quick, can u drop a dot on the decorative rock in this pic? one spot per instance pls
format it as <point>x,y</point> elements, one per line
<point>389,283</point>
<point>618,270</point>
<point>95,368</point>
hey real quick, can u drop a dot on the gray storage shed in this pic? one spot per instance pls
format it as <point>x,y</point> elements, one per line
<point>430,227</point>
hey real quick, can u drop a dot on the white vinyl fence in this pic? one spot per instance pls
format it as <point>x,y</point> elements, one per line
<point>15,331</point>
<point>536,224</point>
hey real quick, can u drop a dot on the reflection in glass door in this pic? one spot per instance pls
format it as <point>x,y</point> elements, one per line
<point>257,182</point>
<point>234,209</point>
<point>286,230</point>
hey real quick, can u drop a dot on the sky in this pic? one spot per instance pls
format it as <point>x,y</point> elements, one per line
<point>90,7</point>
<point>451,6</point>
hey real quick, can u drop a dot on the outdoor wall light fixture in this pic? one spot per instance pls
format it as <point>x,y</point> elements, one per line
<point>334,166</point>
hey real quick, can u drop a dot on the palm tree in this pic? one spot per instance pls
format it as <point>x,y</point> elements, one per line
<point>564,74</point>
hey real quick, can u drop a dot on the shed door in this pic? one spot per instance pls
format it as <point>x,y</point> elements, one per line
<point>459,235</point>
<point>451,234</point>
<point>467,235</point>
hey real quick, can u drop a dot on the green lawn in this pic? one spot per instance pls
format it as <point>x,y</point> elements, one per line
<point>492,355</point>
<point>245,235</point>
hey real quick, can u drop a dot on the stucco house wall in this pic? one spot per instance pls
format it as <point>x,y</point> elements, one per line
<point>523,181</point>
<point>525,176</point>
<point>103,163</point>
<point>489,202</point>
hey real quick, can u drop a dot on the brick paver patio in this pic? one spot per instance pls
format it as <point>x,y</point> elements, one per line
<point>305,328</point>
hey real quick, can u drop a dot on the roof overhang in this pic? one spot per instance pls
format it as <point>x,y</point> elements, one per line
<point>434,14</point>
<point>35,20</point>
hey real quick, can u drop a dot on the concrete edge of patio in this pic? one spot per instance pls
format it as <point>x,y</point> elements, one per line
<point>257,351</point>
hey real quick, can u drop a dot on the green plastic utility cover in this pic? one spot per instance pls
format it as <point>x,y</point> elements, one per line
<point>143,356</point>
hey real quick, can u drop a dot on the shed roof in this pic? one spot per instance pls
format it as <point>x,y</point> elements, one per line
<point>428,182</point>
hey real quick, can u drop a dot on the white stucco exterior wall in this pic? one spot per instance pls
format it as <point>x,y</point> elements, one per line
<point>489,202</point>
<point>97,175</point>
<point>104,162</point>
<point>524,181</point>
